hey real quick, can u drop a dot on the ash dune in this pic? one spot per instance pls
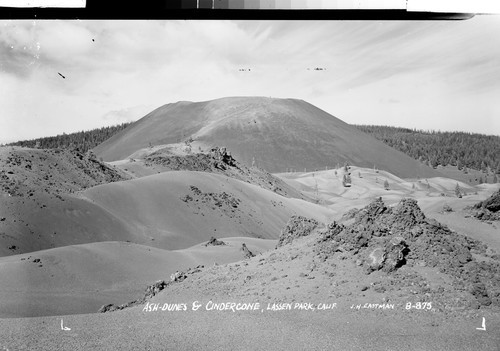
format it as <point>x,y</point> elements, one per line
<point>42,222</point>
<point>39,202</point>
<point>169,210</point>
<point>181,208</point>
<point>328,265</point>
<point>367,184</point>
<point>82,278</point>
<point>279,133</point>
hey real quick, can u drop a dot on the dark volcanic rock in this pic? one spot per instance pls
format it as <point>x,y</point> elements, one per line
<point>108,308</point>
<point>152,290</point>
<point>296,226</point>
<point>385,238</point>
<point>492,203</point>
<point>246,252</point>
<point>214,242</point>
<point>24,172</point>
<point>387,257</point>
<point>489,209</point>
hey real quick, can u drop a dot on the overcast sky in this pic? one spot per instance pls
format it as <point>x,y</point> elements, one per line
<point>422,74</point>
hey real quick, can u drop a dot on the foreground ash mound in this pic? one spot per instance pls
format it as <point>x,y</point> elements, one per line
<point>377,258</point>
<point>487,210</point>
<point>384,238</point>
<point>219,160</point>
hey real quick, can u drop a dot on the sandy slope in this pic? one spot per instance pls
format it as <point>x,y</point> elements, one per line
<point>147,211</point>
<point>82,278</point>
<point>179,209</point>
<point>37,210</point>
<point>42,221</point>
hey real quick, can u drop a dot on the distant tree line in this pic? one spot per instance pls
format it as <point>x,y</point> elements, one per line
<point>83,141</point>
<point>460,149</point>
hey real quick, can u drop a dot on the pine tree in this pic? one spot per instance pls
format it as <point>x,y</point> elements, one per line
<point>458,192</point>
<point>386,185</point>
<point>483,167</point>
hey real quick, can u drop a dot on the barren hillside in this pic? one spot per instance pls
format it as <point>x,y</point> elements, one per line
<point>279,134</point>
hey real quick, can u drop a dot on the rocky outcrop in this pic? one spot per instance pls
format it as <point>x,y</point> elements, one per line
<point>388,257</point>
<point>214,242</point>
<point>24,172</point>
<point>487,210</point>
<point>246,252</point>
<point>296,227</point>
<point>387,238</point>
<point>151,290</point>
<point>492,203</point>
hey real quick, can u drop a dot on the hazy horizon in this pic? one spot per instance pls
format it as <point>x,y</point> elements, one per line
<point>68,76</point>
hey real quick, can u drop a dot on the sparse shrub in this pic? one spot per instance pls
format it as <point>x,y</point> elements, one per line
<point>447,208</point>
<point>386,185</point>
<point>346,181</point>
